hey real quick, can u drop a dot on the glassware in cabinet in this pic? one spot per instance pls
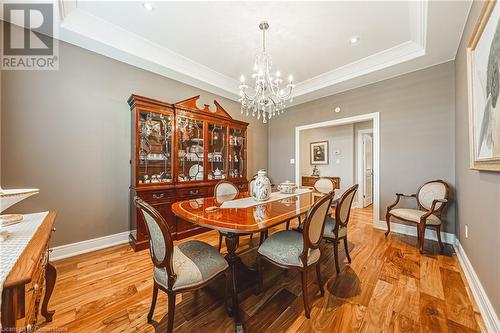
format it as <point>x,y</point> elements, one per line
<point>217,151</point>
<point>190,150</point>
<point>237,153</point>
<point>155,148</point>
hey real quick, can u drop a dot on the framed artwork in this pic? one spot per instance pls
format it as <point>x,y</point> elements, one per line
<point>483,79</point>
<point>319,152</point>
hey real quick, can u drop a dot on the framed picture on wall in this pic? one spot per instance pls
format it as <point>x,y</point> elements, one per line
<point>483,79</point>
<point>319,152</point>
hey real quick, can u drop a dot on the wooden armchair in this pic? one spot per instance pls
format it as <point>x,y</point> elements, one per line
<point>431,198</point>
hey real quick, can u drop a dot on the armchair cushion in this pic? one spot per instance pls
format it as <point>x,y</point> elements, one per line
<point>194,262</point>
<point>414,215</point>
<point>285,247</point>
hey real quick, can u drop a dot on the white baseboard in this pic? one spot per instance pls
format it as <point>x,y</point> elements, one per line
<point>485,307</point>
<point>411,230</point>
<point>70,250</point>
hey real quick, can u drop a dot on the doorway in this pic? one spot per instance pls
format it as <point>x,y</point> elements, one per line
<point>365,167</point>
<point>374,151</point>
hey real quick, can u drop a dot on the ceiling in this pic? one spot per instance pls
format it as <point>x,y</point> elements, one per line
<point>210,44</point>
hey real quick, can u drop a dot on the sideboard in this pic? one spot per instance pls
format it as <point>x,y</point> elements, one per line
<point>310,180</point>
<point>31,277</point>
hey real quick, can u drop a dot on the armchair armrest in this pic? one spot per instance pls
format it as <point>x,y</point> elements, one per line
<point>433,207</point>
<point>398,197</point>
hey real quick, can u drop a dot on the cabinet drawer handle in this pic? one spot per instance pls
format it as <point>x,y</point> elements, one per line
<point>194,192</point>
<point>35,287</point>
<point>158,196</point>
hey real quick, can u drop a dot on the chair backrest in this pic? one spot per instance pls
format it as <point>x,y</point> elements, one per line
<point>225,191</point>
<point>343,208</point>
<point>160,240</point>
<point>324,185</point>
<point>430,191</point>
<point>315,222</point>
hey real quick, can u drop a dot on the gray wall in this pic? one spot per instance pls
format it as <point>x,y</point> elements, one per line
<point>339,138</point>
<point>478,192</point>
<point>67,132</point>
<point>416,130</point>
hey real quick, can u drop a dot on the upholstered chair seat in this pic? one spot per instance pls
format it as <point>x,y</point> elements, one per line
<point>285,247</point>
<point>194,263</point>
<point>330,226</point>
<point>414,215</point>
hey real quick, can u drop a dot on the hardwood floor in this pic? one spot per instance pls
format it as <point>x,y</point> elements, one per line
<point>388,287</point>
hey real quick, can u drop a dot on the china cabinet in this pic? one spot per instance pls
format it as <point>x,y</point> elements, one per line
<point>179,152</point>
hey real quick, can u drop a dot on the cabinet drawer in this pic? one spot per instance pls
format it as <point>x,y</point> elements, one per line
<point>157,196</point>
<point>33,293</point>
<point>194,192</point>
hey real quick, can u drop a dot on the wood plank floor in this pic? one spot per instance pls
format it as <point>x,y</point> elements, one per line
<point>388,287</point>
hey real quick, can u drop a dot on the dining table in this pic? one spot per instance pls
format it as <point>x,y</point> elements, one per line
<point>243,215</point>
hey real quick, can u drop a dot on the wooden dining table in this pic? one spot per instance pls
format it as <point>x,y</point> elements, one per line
<point>233,222</point>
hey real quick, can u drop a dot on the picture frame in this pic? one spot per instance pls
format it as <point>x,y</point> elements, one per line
<point>483,78</point>
<point>319,153</point>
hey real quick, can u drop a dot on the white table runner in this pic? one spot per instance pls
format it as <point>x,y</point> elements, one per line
<point>250,202</point>
<point>11,248</point>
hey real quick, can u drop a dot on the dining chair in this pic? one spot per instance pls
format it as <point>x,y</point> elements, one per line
<point>431,198</point>
<point>291,249</point>
<point>188,266</point>
<point>336,228</point>
<point>324,185</point>
<point>226,191</point>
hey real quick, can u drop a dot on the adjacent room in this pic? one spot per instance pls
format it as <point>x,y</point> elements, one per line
<point>257,166</point>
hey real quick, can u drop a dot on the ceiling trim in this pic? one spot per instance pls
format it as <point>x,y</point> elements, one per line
<point>90,32</point>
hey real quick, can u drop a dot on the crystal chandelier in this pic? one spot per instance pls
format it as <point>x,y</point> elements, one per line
<point>268,96</point>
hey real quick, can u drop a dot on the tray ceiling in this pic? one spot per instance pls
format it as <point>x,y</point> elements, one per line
<point>209,44</point>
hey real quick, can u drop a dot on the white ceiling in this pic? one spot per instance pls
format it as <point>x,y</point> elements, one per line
<point>210,44</point>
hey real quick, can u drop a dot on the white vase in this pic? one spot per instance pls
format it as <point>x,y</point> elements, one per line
<point>261,189</point>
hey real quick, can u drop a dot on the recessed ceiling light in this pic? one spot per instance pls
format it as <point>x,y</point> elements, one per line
<point>354,40</point>
<point>337,109</point>
<point>148,6</point>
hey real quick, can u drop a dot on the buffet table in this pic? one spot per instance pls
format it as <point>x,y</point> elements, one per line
<point>25,272</point>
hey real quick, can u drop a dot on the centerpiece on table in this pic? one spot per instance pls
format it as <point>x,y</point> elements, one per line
<point>261,189</point>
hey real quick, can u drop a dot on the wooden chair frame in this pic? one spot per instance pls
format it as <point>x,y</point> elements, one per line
<point>422,225</point>
<point>307,245</point>
<point>338,223</point>
<point>167,264</point>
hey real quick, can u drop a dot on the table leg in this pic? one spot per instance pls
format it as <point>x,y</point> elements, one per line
<point>233,259</point>
<point>242,277</point>
<point>50,282</point>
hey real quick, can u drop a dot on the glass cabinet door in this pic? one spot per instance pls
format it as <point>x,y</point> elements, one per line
<point>155,148</point>
<point>237,162</point>
<point>190,150</point>
<point>217,151</point>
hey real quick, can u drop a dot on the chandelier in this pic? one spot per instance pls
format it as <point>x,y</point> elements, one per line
<point>268,96</point>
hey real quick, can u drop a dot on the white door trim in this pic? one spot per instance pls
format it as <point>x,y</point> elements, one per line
<point>359,166</point>
<point>375,117</point>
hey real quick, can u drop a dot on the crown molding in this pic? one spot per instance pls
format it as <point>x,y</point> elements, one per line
<point>80,28</point>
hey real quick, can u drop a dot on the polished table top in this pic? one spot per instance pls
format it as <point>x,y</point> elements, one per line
<point>242,220</point>
<point>245,220</point>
